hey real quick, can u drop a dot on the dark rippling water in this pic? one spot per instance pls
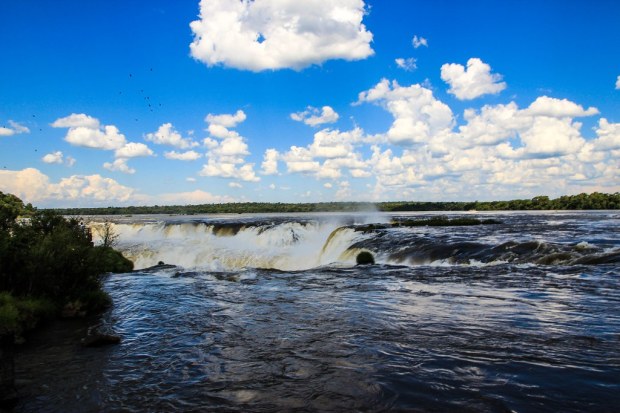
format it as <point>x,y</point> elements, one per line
<point>521,316</point>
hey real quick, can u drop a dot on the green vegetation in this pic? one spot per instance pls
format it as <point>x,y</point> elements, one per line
<point>444,222</point>
<point>48,264</point>
<point>428,222</point>
<point>595,200</point>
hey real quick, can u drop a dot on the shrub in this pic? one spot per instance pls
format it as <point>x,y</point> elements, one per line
<point>48,262</point>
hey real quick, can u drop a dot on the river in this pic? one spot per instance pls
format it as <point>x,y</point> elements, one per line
<point>262,313</point>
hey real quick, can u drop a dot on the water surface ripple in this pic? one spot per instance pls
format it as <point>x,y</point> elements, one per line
<point>491,338</point>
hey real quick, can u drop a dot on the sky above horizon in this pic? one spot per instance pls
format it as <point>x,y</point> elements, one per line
<point>186,102</point>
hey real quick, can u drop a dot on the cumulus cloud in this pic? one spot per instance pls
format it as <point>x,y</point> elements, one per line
<point>235,185</point>
<point>558,108</point>
<point>276,34</point>
<point>608,135</point>
<point>57,157</point>
<point>418,41</point>
<point>471,82</point>
<point>498,149</point>
<point>552,137</point>
<point>191,198</point>
<point>226,156</point>
<point>418,115</point>
<point>229,170</point>
<point>76,120</point>
<point>618,83</point>
<point>119,165</point>
<point>87,131</point>
<point>167,135</point>
<point>13,129</point>
<point>408,64</point>
<point>313,117</point>
<point>133,150</point>
<point>35,187</point>
<point>226,120</point>
<point>54,157</point>
<point>334,148</point>
<point>300,160</point>
<point>270,162</point>
<point>183,156</point>
<point>492,125</point>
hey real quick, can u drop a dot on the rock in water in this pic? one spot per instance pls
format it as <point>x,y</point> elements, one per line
<point>365,258</point>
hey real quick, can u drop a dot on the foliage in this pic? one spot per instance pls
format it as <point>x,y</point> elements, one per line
<point>444,222</point>
<point>106,233</point>
<point>595,200</point>
<point>18,315</point>
<point>47,258</point>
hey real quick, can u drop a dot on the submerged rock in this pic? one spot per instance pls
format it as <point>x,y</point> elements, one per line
<point>155,268</point>
<point>365,258</point>
<point>100,339</point>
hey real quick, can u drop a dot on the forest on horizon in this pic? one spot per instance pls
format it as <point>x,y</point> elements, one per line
<point>593,201</point>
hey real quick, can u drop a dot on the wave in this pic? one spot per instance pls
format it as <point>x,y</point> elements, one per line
<point>221,246</point>
<point>300,244</point>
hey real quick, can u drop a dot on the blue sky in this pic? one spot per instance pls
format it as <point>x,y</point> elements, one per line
<point>108,103</point>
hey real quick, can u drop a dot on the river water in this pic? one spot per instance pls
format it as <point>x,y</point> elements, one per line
<point>270,313</point>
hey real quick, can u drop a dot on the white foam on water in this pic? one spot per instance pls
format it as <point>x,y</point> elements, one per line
<point>285,246</point>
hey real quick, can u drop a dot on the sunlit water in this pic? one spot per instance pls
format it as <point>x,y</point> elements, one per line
<point>271,314</point>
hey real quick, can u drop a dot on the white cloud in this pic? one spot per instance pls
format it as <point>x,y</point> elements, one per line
<point>229,170</point>
<point>335,148</point>
<point>109,138</point>
<point>167,135</point>
<point>270,162</point>
<point>226,120</point>
<point>311,116</point>
<point>69,161</point>
<point>552,137</point>
<point>327,185</point>
<point>54,157</point>
<point>300,160</point>
<point>119,165</point>
<point>13,129</point>
<point>235,185</point>
<point>33,186</point>
<point>191,198</point>
<point>190,179</point>
<point>331,143</point>
<point>408,64</point>
<point>492,125</point>
<point>418,116</point>
<point>471,82</point>
<point>276,34</point>
<point>344,191</point>
<point>618,83</point>
<point>272,186</point>
<point>608,135</point>
<point>225,157</point>
<point>419,41</point>
<point>183,156</point>
<point>76,120</point>
<point>558,108</point>
<point>58,158</point>
<point>86,131</point>
<point>133,150</point>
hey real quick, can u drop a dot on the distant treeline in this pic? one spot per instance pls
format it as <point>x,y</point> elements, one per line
<point>595,200</point>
